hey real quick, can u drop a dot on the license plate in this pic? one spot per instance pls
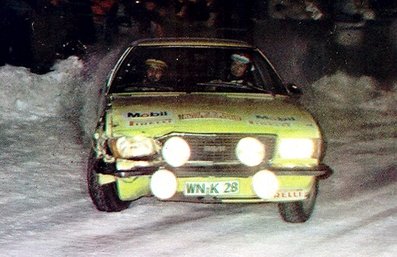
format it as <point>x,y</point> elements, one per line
<point>211,188</point>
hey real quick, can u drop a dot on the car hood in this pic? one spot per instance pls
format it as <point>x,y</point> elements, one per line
<point>159,114</point>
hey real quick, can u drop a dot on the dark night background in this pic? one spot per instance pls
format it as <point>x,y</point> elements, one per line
<point>34,33</point>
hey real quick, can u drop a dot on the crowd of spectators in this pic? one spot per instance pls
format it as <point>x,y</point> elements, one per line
<point>34,33</point>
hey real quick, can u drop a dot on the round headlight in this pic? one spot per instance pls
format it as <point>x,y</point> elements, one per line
<point>299,148</point>
<point>265,184</point>
<point>163,184</point>
<point>250,151</point>
<point>136,146</point>
<point>176,151</point>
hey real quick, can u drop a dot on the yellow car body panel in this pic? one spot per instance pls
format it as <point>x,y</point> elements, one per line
<point>155,116</point>
<point>132,188</point>
<point>203,113</point>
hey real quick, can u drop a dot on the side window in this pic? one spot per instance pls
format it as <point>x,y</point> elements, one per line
<point>262,73</point>
<point>271,80</point>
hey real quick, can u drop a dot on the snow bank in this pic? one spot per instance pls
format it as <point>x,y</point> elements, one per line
<point>70,91</point>
<point>359,123</point>
<point>30,96</point>
<point>346,105</point>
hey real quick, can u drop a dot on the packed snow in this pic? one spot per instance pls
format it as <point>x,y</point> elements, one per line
<point>45,209</point>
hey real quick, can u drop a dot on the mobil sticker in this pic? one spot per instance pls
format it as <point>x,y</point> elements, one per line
<point>133,115</point>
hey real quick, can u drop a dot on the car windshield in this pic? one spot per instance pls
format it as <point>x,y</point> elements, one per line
<point>195,69</point>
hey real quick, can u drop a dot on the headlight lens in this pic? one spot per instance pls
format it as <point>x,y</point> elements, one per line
<point>176,151</point>
<point>250,151</point>
<point>137,146</point>
<point>301,148</point>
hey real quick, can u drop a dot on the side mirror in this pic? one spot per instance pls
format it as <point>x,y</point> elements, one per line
<point>294,90</point>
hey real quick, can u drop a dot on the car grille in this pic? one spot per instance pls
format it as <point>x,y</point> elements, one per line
<point>219,149</point>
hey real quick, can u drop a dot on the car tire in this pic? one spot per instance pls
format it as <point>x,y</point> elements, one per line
<point>299,211</point>
<point>104,197</point>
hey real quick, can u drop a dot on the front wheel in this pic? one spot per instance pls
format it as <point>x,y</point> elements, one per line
<point>300,211</point>
<point>104,197</point>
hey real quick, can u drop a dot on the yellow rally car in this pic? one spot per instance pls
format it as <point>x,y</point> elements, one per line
<point>204,120</point>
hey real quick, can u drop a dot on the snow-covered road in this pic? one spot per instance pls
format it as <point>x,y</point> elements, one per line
<point>45,209</point>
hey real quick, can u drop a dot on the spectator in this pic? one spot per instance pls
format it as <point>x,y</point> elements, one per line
<point>105,18</point>
<point>83,28</point>
<point>359,9</point>
<point>214,11</point>
<point>313,10</point>
<point>51,28</point>
<point>192,10</point>
<point>152,18</point>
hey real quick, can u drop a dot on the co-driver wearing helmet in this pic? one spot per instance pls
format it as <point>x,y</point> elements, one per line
<point>239,69</point>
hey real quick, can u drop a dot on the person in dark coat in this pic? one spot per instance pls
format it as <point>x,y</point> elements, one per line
<point>50,28</point>
<point>83,28</point>
<point>105,19</point>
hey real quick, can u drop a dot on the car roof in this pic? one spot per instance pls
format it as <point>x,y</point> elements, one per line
<point>191,42</point>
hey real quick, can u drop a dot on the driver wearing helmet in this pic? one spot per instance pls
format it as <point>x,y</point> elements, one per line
<point>155,70</point>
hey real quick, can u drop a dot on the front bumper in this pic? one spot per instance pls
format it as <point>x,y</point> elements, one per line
<point>322,171</point>
<point>293,184</point>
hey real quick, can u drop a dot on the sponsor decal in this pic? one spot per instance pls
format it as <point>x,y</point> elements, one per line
<point>149,122</point>
<point>291,194</point>
<point>269,123</point>
<point>268,120</point>
<point>209,115</point>
<point>148,118</point>
<point>275,118</point>
<point>134,115</point>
